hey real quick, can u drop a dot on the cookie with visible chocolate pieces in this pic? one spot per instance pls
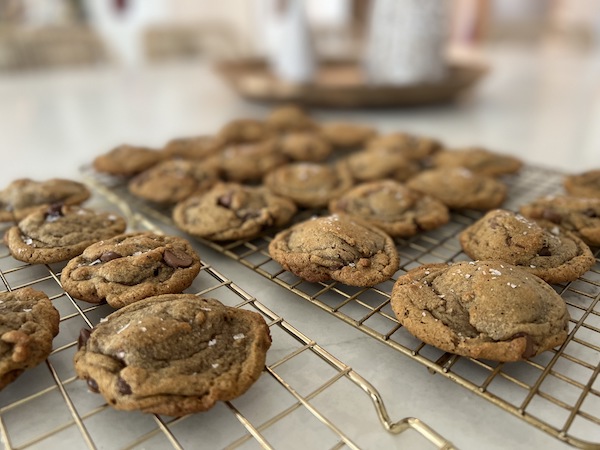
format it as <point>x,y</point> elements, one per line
<point>391,206</point>
<point>347,135</point>
<point>553,254</point>
<point>127,160</point>
<point>59,233</point>
<point>459,188</point>
<point>23,196</point>
<point>131,267</point>
<point>581,216</point>
<point>172,181</point>
<point>585,184</point>
<point>336,247</point>
<point>232,211</point>
<point>173,354</point>
<point>28,324</point>
<point>481,309</point>
<point>310,185</point>
<point>478,160</point>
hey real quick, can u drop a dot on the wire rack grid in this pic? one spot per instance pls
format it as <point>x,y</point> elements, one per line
<point>557,391</point>
<point>299,400</point>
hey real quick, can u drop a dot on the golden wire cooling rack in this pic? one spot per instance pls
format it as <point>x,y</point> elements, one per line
<point>557,391</point>
<point>298,402</point>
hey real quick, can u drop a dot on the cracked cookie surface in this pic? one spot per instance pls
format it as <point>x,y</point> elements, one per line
<point>173,354</point>
<point>131,267</point>
<point>232,211</point>
<point>59,233</point>
<point>481,309</point>
<point>553,254</point>
<point>28,323</point>
<point>336,247</point>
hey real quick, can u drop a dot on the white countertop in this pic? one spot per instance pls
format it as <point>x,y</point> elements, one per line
<point>542,105</point>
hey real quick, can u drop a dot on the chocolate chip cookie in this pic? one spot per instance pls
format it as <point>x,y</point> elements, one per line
<point>127,160</point>
<point>244,131</point>
<point>131,267</point>
<point>481,309</point>
<point>408,145</point>
<point>379,163</point>
<point>288,118</point>
<point>172,181</point>
<point>478,160</point>
<point>336,247</point>
<point>391,206</point>
<point>310,185</point>
<point>59,233</point>
<point>23,196</point>
<point>28,323</point>
<point>553,254</point>
<point>173,354</point>
<point>586,184</point>
<point>196,148</point>
<point>232,211</point>
<point>581,216</point>
<point>304,146</point>
<point>347,135</point>
<point>459,188</point>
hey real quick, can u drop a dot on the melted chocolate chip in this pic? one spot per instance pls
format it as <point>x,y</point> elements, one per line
<point>545,251</point>
<point>529,347</point>
<point>84,336</point>
<point>123,387</point>
<point>109,256</point>
<point>55,210</point>
<point>177,258</point>
<point>552,216</point>
<point>590,213</point>
<point>225,200</point>
<point>92,385</point>
<point>247,215</point>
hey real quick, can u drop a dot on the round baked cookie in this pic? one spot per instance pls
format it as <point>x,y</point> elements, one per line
<point>379,163</point>
<point>173,354</point>
<point>408,145</point>
<point>248,162</point>
<point>459,188</point>
<point>23,196</point>
<point>346,135</point>
<point>173,180</point>
<point>127,160</point>
<point>28,323</point>
<point>481,309</point>
<point>232,211</point>
<point>304,146</point>
<point>131,267</point>
<point>581,216</point>
<point>478,160</point>
<point>59,233</point>
<point>554,255</point>
<point>287,118</point>
<point>196,148</point>
<point>244,131</point>
<point>586,184</point>
<point>391,206</point>
<point>310,185</point>
<point>336,247</point>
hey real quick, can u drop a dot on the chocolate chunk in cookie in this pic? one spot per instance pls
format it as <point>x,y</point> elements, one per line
<point>23,196</point>
<point>581,216</point>
<point>232,211</point>
<point>553,254</point>
<point>336,247</point>
<point>459,188</point>
<point>28,323</point>
<point>310,185</point>
<point>131,267</point>
<point>172,181</point>
<point>478,160</point>
<point>59,233</point>
<point>481,309</point>
<point>127,160</point>
<point>585,184</point>
<point>391,206</point>
<point>173,354</point>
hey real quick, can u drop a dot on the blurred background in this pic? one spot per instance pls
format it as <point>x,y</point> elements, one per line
<point>41,34</point>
